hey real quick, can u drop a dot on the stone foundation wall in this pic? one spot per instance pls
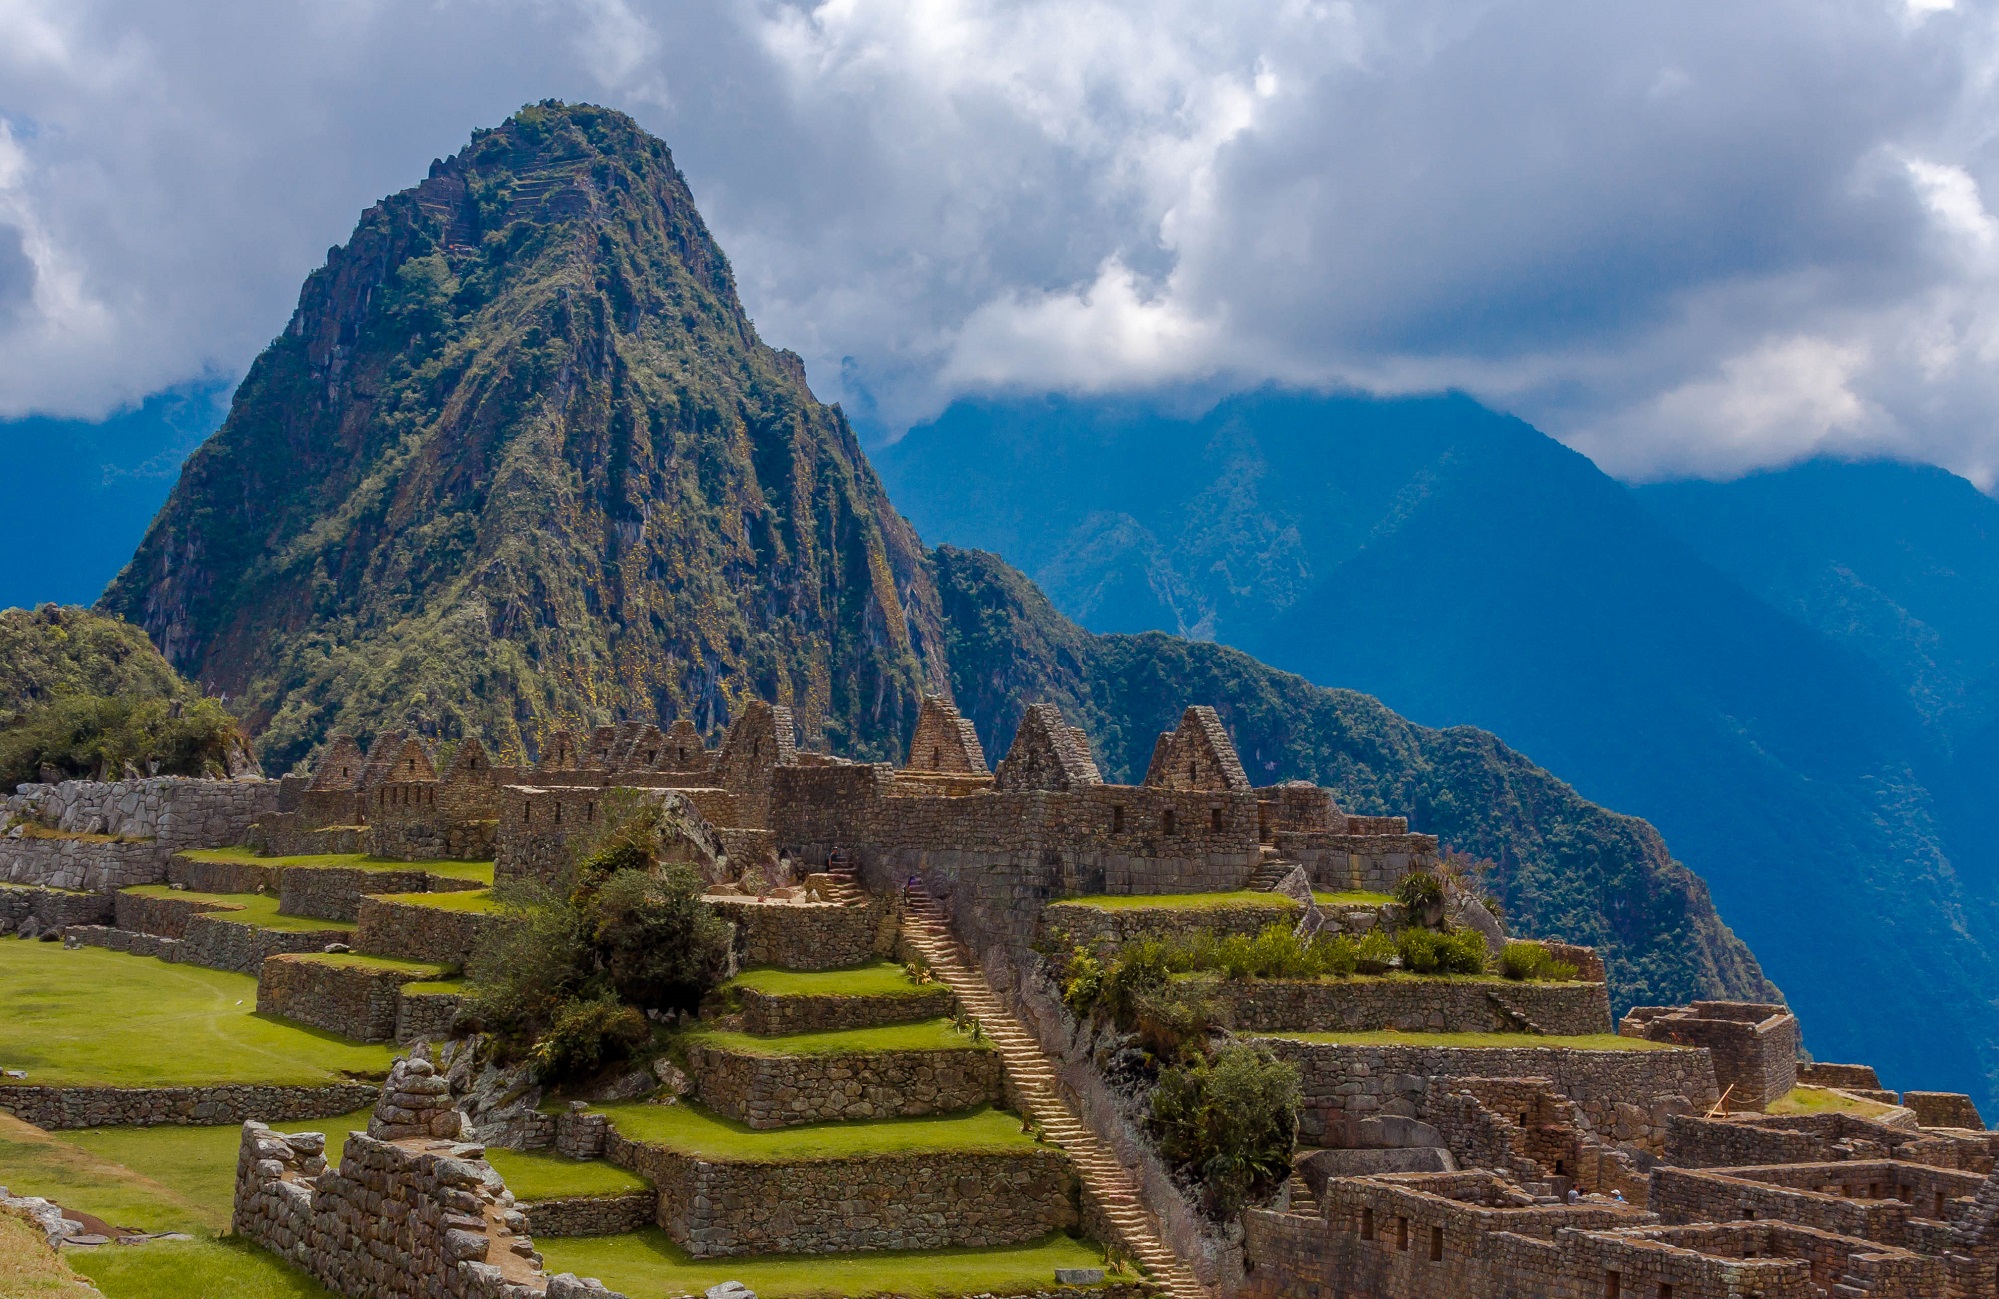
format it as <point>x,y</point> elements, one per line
<point>810,937</point>
<point>1843,1076</point>
<point>1755,1046</point>
<point>1362,1004</point>
<point>355,1001</point>
<point>426,1016</point>
<point>212,942</point>
<point>57,1109</point>
<point>223,876</point>
<point>912,1201</point>
<point>409,931</point>
<point>334,893</point>
<point>1067,925</point>
<point>768,1016</point>
<point>1344,1085</point>
<point>780,1090</point>
<point>50,908</point>
<point>415,840</point>
<point>173,812</point>
<point>80,865</point>
<point>392,1222</point>
<point>299,834</point>
<point>1365,861</point>
<point>1944,1110</point>
<point>599,1215</point>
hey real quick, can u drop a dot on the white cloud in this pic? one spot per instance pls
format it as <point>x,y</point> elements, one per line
<point>1686,238</point>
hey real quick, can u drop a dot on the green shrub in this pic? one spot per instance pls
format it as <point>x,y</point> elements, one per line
<point>1421,950</point>
<point>1278,953</point>
<point>660,945</point>
<point>1083,983</point>
<point>1374,952</point>
<point>1171,1022</point>
<point>1229,1124</point>
<point>585,1035</point>
<point>1334,954</point>
<point>97,737</point>
<point>527,967</point>
<point>1140,968</point>
<point>1463,952</point>
<point>1521,960</point>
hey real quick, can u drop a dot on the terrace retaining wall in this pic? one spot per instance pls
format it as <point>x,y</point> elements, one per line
<point>815,936</point>
<point>770,1015</point>
<point>774,1091</point>
<point>1440,1005</point>
<point>355,1001</point>
<point>410,931</point>
<point>57,1109</point>
<point>592,1215</point>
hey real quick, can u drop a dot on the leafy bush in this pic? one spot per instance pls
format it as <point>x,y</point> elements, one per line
<point>1532,961</point>
<point>1375,952</point>
<point>1335,954</point>
<point>660,945</point>
<point>1172,1023</point>
<point>1463,952</point>
<point>97,736</point>
<point>585,1035</point>
<point>1140,968</point>
<point>1229,1125</point>
<point>1421,950</point>
<point>1083,982</point>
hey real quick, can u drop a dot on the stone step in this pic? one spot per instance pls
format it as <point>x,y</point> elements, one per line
<point>1107,1182</point>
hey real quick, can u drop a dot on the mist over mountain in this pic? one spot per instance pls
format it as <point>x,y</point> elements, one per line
<point>1468,570</point>
<point>519,461</point>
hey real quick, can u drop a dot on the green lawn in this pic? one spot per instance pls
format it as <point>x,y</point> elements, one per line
<point>1586,1042</point>
<point>648,1263</point>
<point>691,1130</point>
<point>457,870</point>
<point>98,1016</point>
<point>438,985</point>
<point>1823,1100</point>
<point>33,1162</point>
<point>259,909</point>
<point>198,1164</point>
<point>923,1035</point>
<point>479,900</point>
<point>1351,899</point>
<point>880,979</point>
<point>545,1175</point>
<point>1181,901</point>
<point>356,960</point>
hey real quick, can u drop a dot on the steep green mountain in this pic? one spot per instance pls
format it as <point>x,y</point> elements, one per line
<point>520,458</point>
<point>1467,570</point>
<point>53,651</point>
<point>1565,868</point>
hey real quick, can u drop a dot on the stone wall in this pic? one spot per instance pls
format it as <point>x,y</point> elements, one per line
<point>50,908</point>
<point>393,1222</point>
<point>1846,1077</point>
<point>223,876</point>
<point>211,941</point>
<point>811,936</point>
<point>1460,1005</point>
<point>769,1015</point>
<point>433,841</point>
<point>1367,859</point>
<point>173,812</point>
<point>63,1108</point>
<point>595,1215</point>
<point>335,893</point>
<point>410,931</point>
<point>900,1201</point>
<point>426,1016</point>
<point>774,1091</point>
<point>1755,1045</point>
<point>355,1001</point>
<point>297,834</point>
<point>1344,1085</point>
<point>1067,925</point>
<point>1695,1142</point>
<point>86,865</point>
<point>1944,1110</point>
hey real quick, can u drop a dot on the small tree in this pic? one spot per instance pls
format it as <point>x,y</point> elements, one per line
<point>661,946</point>
<point>1229,1124</point>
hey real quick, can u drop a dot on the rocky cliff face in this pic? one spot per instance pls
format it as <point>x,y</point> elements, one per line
<point>520,460</point>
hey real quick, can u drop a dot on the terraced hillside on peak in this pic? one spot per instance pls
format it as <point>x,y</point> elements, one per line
<point>519,458</point>
<point>57,650</point>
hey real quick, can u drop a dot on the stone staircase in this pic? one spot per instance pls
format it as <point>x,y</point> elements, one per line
<point>1106,1183</point>
<point>1302,1199</point>
<point>846,878</point>
<point>1271,868</point>
<point>1515,1016</point>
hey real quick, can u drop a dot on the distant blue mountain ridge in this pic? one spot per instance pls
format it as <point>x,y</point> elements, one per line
<point>1792,676</point>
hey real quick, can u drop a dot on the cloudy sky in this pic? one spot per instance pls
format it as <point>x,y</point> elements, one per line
<point>1684,236</point>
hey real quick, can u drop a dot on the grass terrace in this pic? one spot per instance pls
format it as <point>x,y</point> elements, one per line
<point>259,909</point>
<point>880,979</point>
<point>94,1016</point>
<point>923,1035</point>
<point>475,900</point>
<point>649,1263</point>
<point>545,1175</point>
<point>1217,901</point>
<point>171,1185</point>
<point>354,960</point>
<point>1486,1041</point>
<point>482,871</point>
<point>1826,1100</point>
<point>693,1131</point>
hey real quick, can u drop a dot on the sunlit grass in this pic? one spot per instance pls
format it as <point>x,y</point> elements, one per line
<point>691,1130</point>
